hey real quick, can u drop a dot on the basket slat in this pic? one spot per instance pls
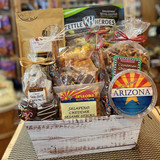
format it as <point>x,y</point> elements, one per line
<point>52,139</point>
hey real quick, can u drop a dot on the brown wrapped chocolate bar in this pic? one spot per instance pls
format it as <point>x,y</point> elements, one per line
<point>29,110</point>
<point>128,53</point>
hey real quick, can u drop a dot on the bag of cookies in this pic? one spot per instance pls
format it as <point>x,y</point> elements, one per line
<point>80,64</point>
<point>127,53</point>
<point>79,101</point>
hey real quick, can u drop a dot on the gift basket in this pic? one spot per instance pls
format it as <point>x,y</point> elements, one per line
<point>86,98</point>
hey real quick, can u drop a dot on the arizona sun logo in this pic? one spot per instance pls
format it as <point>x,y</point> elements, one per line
<point>132,93</point>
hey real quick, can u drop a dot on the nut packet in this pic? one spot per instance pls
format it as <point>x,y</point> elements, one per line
<point>79,101</point>
<point>127,53</point>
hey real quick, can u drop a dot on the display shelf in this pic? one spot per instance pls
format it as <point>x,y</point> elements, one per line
<point>8,107</point>
<point>13,35</point>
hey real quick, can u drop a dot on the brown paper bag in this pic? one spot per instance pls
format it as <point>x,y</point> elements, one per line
<point>33,24</point>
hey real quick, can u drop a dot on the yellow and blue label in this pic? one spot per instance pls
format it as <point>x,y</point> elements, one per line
<point>78,104</point>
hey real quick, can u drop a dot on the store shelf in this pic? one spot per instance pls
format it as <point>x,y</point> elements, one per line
<point>12,35</point>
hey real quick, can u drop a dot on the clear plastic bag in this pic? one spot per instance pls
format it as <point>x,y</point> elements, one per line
<point>29,111</point>
<point>133,27</point>
<point>127,52</point>
<point>80,101</point>
<point>75,66</point>
<point>36,86</point>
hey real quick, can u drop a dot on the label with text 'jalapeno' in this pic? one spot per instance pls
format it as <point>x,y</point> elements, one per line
<point>78,104</point>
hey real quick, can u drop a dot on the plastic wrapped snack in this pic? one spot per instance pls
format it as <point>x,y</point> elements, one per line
<point>36,86</point>
<point>29,110</point>
<point>77,20</point>
<point>80,101</point>
<point>75,66</point>
<point>77,52</point>
<point>128,53</point>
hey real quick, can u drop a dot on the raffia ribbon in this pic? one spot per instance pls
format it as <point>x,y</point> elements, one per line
<point>25,62</point>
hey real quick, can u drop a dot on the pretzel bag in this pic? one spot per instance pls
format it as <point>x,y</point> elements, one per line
<point>127,53</point>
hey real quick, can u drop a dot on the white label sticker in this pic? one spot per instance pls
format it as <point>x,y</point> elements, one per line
<point>41,44</point>
<point>132,92</point>
<point>37,95</point>
<point>77,110</point>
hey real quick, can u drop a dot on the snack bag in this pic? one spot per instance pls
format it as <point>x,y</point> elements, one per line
<point>28,110</point>
<point>40,103</point>
<point>79,101</point>
<point>37,23</point>
<point>36,86</point>
<point>74,66</point>
<point>78,65</point>
<point>6,5</point>
<point>127,53</point>
<point>2,3</point>
<point>44,46</point>
<point>78,19</point>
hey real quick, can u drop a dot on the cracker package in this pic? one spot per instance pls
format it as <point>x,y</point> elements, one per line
<point>79,101</point>
<point>128,53</point>
<point>37,23</point>
<point>77,19</point>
